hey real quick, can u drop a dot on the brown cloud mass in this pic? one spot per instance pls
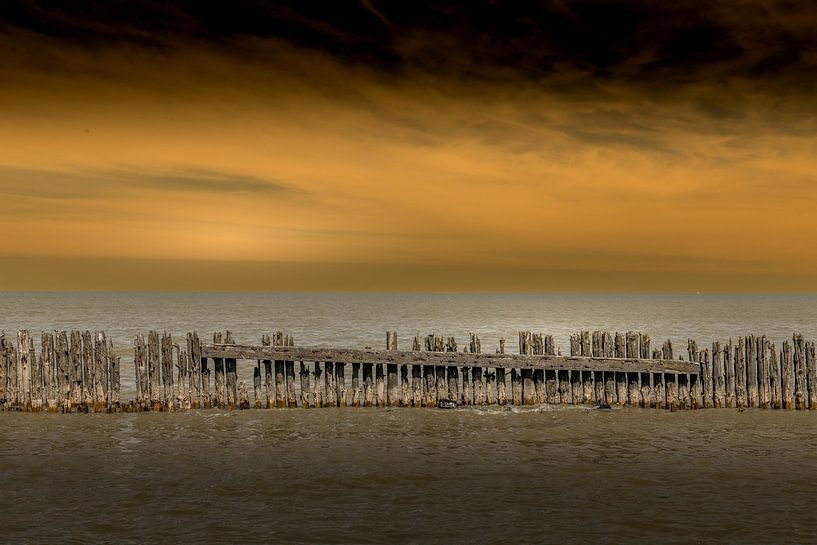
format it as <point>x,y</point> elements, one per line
<point>586,146</point>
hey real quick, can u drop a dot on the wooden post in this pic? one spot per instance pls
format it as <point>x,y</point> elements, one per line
<point>317,389</point>
<point>684,387</point>
<point>100,367</point>
<point>787,377</point>
<point>405,392</point>
<point>256,384</point>
<point>356,385</point>
<point>340,383</point>
<point>141,372</point>
<point>538,347</point>
<point>718,375</point>
<point>60,370</point>
<point>114,386</point>
<point>490,386</point>
<point>646,390</point>
<point>243,396</point>
<point>75,370</point>
<point>231,376</point>
<point>585,343</point>
<point>50,377</point>
<point>729,372</point>
<point>477,383</point>
<point>37,389</point>
<point>740,373</point>
<point>218,374</point>
<point>168,364</point>
<point>516,388</point>
<point>620,348</point>
<point>501,392</point>
<point>280,378</point>
<point>206,396</point>
<point>610,390</point>
<point>634,389</point>
<point>194,372</point>
<point>763,372</point>
<point>379,386</point>
<point>289,374</point>
<point>811,374</point>
<point>706,377</point>
<point>4,365</point>
<point>429,376</point>
<point>564,386</point>
<point>800,390</point>
<point>467,388</point>
<point>528,387</point>
<point>751,372</point>
<point>330,395</point>
<point>660,389</point>
<point>269,385</point>
<point>12,373</point>
<point>392,386</point>
<point>621,388</point>
<point>368,393</point>
<point>26,362</point>
<point>453,381</point>
<point>672,392</point>
<point>306,390</point>
<point>774,379</point>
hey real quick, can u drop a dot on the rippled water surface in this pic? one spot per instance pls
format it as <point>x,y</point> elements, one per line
<point>567,475</point>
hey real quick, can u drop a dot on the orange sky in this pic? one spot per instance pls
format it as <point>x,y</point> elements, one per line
<point>194,168</point>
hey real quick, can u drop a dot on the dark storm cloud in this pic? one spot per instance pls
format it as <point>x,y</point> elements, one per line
<point>641,42</point>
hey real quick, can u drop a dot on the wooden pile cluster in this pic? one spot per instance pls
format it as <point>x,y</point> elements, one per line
<point>72,372</point>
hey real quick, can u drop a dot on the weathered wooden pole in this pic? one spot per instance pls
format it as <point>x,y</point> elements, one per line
<point>647,396</point>
<point>368,385</point>
<point>516,388</point>
<point>707,378</point>
<point>729,374</point>
<point>218,374</point>
<point>256,385</point>
<point>330,398</point>
<point>751,372</point>
<point>405,391</point>
<point>340,383</point>
<point>416,378</point>
<point>501,392</point>
<point>740,374</point>
<point>289,374</point>
<point>280,377</point>
<point>231,375</point>
<point>25,362</point>
<point>194,352</point>
<point>528,386</point>
<point>774,378</point>
<point>452,374</point>
<point>169,390</point>
<point>379,386</point>
<point>538,348</point>
<point>269,385</point>
<point>243,396</point>
<point>811,373</point>
<point>204,370</point>
<point>306,390</point>
<point>4,402</point>
<point>787,377</point>
<point>356,384</point>
<point>800,389</point>
<point>114,365</point>
<point>763,372</point>
<point>100,367</point>
<point>75,370</point>
<point>317,388</point>
<point>467,387</point>
<point>50,377</point>
<point>392,385</point>
<point>37,384</point>
<point>11,379</point>
<point>140,355</point>
<point>672,392</point>
<point>718,371</point>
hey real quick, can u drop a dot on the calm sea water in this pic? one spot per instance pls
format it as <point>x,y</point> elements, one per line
<point>566,475</point>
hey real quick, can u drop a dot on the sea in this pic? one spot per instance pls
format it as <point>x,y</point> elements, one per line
<point>545,474</point>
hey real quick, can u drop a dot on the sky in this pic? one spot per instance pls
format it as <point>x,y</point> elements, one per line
<point>371,145</point>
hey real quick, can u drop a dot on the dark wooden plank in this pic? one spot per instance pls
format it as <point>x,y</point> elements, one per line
<point>459,359</point>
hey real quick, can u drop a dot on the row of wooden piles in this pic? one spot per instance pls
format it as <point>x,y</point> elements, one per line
<point>750,372</point>
<point>324,384</point>
<point>72,372</point>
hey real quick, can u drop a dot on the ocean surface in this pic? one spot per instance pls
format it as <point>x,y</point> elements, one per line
<point>497,475</point>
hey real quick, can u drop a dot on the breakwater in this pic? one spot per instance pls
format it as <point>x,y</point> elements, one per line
<point>79,371</point>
